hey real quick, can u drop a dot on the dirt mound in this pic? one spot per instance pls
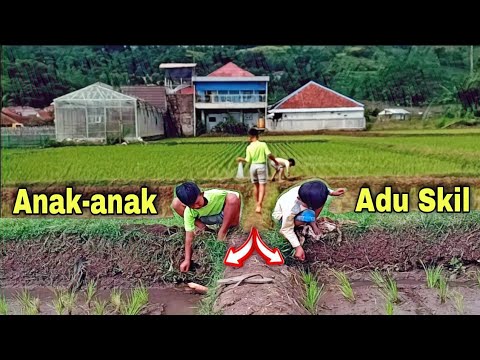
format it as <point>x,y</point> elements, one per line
<point>401,250</point>
<point>281,297</point>
<point>146,253</point>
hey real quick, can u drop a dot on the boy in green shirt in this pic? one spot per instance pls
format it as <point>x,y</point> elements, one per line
<point>200,209</point>
<point>257,153</point>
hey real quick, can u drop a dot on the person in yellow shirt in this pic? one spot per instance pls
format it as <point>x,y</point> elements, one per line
<point>201,208</point>
<point>257,154</point>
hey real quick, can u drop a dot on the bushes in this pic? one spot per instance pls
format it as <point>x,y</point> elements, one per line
<point>231,126</point>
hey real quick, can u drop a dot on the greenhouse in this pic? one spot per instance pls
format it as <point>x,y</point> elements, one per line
<point>99,113</point>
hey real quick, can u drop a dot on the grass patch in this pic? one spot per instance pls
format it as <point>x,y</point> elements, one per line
<point>216,252</point>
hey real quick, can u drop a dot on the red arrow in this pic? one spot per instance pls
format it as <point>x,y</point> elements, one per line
<point>254,242</point>
<point>271,256</point>
<point>237,257</point>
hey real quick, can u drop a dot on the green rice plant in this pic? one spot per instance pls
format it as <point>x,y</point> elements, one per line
<point>69,300</point>
<point>344,285</point>
<point>387,287</point>
<point>91,290</point>
<point>458,302</point>
<point>392,290</point>
<point>99,307</point>
<point>136,302</point>
<point>377,278</point>
<point>313,292</point>
<point>29,304</point>
<point>58,303</point>
<point>443,289</point>
<point>116,299</point>
<point>433,275</point>
<point>3,305</point>
<point>389,307</point>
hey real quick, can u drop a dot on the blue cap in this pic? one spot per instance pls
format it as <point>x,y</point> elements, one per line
<point>187,193</point>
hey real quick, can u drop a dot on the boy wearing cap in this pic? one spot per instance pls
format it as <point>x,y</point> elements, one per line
<point>257,154</point>
<point>301,205</point>
<point>201,208</point>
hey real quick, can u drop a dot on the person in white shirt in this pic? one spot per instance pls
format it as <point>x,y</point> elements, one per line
<point>302,205</point>
<point>282,168</point>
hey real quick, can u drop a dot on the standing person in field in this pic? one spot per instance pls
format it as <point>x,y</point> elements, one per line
<point>257,153</point>
<point>302,205</point>
<point>282,169</point>
<point>201,208</point>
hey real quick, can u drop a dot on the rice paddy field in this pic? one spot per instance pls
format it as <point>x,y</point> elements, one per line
<point>435,153</point>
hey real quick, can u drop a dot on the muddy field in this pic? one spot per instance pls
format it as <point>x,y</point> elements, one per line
<point>150,254</point>
<point>415,298</point>
<point>179,300</point>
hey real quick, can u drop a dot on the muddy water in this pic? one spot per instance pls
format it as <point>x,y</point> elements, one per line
<point>162,301</point>
<point>415,297</point>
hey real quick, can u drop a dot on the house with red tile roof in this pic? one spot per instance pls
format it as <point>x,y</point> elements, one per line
<point>229,92</point>
<point>316,107</point>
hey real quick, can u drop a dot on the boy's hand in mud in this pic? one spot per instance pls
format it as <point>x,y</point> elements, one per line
<point>185,265</point>
<point>299,253</point>
<point>338,192</point>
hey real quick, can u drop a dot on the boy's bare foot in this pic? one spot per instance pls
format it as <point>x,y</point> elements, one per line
<point>258,209</point>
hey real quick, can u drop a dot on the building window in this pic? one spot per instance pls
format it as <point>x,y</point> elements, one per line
<point>212,119</point>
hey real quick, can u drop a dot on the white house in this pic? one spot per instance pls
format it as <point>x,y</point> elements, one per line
<point>315,107</point>
<point>394,114</point>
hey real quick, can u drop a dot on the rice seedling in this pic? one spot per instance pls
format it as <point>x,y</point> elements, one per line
<point>392,290</point>
<point>29,304</point>
<point>99,307</point>
<point>3,305</point>
<point>458,302</point>
<point>69,299</point>
<point>433,275</point>
<point>377,278</point>
<point>136,302</point>
<point>58,303</point>
<point>116,299</point>
<point>313,292</point>
<point>389,307</point>
<point>344,285</point>
<point>91,290</point>
<point>442,289</point>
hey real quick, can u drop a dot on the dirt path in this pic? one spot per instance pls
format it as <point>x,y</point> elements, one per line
<point>280,297</point>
